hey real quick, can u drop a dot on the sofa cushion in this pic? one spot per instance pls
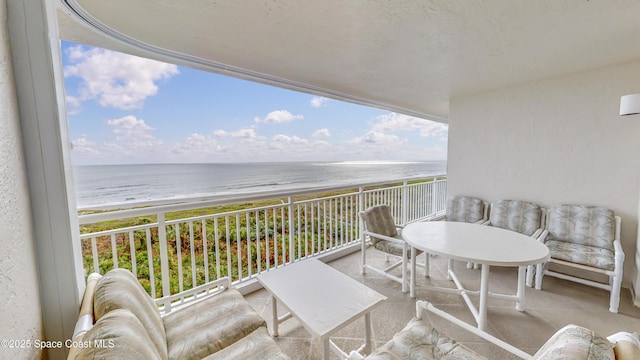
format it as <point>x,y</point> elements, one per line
<point>464,209</point>
<point>120,289</point>
<point>210,325</point>
<point>582,254</point>
<point>581,224</point>
<point>256,346</point>
<point>379,220</point>
<point>117,335</point>
<point>394,248</point>
<point>419,340</point>
<point>519,216</point>
<point>574,342</point>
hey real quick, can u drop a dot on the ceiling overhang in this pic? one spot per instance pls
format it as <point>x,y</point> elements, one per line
<point>409,57</point>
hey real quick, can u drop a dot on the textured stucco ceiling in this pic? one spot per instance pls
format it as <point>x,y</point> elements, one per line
<point>408,56</point>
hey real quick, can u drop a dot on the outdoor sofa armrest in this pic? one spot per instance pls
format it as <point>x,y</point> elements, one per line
<point>618,254</point>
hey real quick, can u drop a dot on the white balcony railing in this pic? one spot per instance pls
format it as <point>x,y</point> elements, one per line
<point>171,252</point>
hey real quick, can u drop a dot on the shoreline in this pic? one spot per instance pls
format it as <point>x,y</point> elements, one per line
<point>227,198</point>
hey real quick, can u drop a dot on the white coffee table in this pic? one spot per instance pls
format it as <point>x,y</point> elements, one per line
<point>485,245</point>
<point>323,300</point>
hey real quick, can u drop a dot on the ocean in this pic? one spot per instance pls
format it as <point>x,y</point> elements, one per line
<point>107,186</point>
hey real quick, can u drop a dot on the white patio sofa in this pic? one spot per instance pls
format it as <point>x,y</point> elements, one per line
<point>121,321</point>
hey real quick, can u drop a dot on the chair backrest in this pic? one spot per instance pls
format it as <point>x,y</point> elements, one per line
<point>582,224</point>
<point>465,209</point>
<point>520,216</point>
<point>378,219</point>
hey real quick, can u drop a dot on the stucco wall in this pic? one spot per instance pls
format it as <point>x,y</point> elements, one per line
<point>553,141</point>
<point>20,310</point>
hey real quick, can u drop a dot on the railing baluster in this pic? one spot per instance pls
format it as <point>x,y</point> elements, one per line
<point>152,277</point>
<point>275,239</point>
<point>205,250</point>
<point>248,230</point>
<point>216,235</point>
<point>266,239</point>
<point>258,245</point>
<point>238,246</point>
<point>228,241</point>
<point>193,255</point>
<point>179,255</point>
<point>94,255</point>
<point>291,229</point>
<point>114,251</point>
<point>132,249</point>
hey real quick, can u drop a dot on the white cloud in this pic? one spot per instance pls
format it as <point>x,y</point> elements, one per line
<point>397,122</point>
<point>378,138</point>
<point>318,101</point>
<point>197,145</point>
<point>279,116</point>
<point>321,133</point>
<point>282,142</point>
<point>133,133</point>
<point>84,146</point>
<point>244,133</point>
<point>114,79</point>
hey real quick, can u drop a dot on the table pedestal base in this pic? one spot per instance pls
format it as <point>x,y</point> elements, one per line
<point>479,313</point>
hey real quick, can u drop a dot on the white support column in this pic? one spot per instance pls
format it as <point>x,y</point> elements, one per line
<point>40,88</point>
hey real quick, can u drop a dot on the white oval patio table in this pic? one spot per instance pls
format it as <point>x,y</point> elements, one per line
<point>481,244</point>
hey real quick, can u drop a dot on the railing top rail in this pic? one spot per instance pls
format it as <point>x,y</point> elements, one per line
<point>139,209</point>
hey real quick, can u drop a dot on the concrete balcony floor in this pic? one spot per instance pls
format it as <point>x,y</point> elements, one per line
<point>560,302</point>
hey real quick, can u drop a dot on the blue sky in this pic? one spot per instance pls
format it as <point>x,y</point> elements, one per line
<point>124,109</point>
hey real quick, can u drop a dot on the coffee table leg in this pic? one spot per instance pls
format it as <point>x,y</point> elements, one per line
<point>484,294</point>
<point>367,333</point>
<point>520,302</point>
<point>274,312</point>
<point>326,349</point>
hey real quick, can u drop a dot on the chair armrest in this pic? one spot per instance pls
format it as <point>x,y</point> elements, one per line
<point>384,237</point>
<point>537,234</point>
<point>85,318</point>
<point>543,236</point>
<point>618,254</point>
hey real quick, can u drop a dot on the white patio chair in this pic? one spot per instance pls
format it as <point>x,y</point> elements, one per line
<point>520,216</point>
<point>586,238</point>
<point>378,225</point>
<point>466,209</point>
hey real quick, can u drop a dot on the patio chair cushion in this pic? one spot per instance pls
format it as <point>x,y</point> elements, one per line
<point>419,340</point>
<point>118,335</point>
<point>582,254</point>
<point>210,325</point>
<point>256,346</point>
<point>394,248</point>
<point>119,289</point>
<point>464,209</point>
<point>575,342</point>
<point>581,224</point>
<point>515,215</point>
<point>379,220</point>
